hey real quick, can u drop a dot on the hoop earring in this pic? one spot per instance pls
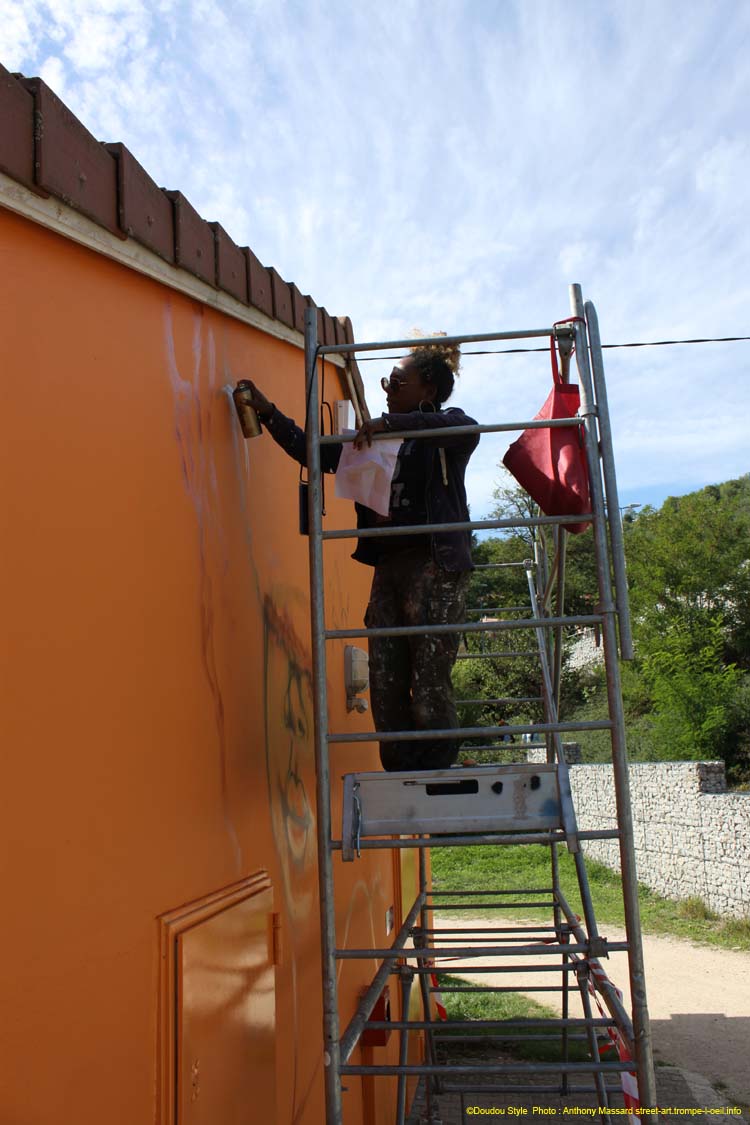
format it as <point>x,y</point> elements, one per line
<point>427,402</point>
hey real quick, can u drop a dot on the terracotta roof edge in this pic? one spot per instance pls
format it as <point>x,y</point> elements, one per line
<point>48,151</point>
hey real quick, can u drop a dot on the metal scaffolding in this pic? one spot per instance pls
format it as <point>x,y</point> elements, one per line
<point>498,804</point>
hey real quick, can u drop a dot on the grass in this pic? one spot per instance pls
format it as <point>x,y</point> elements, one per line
<point>479,868</point>
<point>506,1006</point>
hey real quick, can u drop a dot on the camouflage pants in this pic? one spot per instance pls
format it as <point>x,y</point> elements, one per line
<point>410,677</point>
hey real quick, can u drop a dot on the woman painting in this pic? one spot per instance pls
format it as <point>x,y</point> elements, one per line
<point>419,579</point>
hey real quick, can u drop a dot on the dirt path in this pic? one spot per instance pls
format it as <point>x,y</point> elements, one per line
<point>699,1002</point>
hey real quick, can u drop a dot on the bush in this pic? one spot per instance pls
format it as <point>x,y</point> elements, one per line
<point>693,691</point>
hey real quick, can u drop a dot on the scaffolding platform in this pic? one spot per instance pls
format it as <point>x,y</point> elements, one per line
<point>603,1050</point>
<point>478,799</point>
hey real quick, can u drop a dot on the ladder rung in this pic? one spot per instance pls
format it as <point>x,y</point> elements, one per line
<point>498,988</point>
<point>490,905</point>
<point>591,1067</point>
<point>463,952</point>
<point>465,732</point>
<point>432,1025</point>
<point>510,839</point>
<point>486,1088</point>
<point>464,525</point>
<point>530,936</point>
<point>466,894</point>
<point>557,331</point>
<point>446,1038</point>
<point>490,969</point>
<point>435,934</point>
<point>516,623</point>
<point>472,840</point>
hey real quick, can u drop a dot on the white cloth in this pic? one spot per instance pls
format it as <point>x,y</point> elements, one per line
<point>365,475</point>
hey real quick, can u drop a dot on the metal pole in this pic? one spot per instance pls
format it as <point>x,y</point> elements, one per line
<point>407,979</point>
<point>562,543</point>
<point>561,330</point>
<point>441,841</point>
<point>463,525</point>
<point>456,431</point>
<point>563,937</point>
<point>585,892</point>
<point>432,1085</point>
<point>498,1068</point>
<point>641,1022</point>
<point>421,951</point>
<point>550,1025</point>
<point>465,732</point>
<point>603,983</point>
<point>517,623</point>
<point>427,911</point>
<point>331,1058</point>
<point>582,974</point>
<point>610,485</point>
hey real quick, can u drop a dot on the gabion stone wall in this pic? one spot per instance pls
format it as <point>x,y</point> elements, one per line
<point>692,837</point>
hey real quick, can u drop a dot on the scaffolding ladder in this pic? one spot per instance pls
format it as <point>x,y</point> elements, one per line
<point>515,803</point>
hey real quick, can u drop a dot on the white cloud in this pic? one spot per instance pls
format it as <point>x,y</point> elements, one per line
<point>17,39</point>
<point>52,71</point>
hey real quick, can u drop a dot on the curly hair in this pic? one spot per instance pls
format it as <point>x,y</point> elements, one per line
<point>436,364</point>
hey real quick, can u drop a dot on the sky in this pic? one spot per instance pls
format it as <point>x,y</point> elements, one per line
<point>454,166</point>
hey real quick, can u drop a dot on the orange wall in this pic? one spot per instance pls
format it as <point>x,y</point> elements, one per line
<point>158,740</point>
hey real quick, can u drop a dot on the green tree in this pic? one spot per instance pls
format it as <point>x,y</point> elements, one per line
<point>690,557</point>
<point>693,690</point>
<point>689,577</point>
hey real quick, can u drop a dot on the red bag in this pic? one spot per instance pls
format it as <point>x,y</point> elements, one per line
<point>551,463</point>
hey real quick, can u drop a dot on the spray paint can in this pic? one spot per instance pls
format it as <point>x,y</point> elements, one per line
<point>242,394</point>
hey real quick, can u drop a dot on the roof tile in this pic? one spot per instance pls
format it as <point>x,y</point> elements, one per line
<point>259,283</point>
<point>282,298</point>
<point>346,323</point>
<point>70,163</point>
<point>231,266</point>
<point>299,304</point>
<point>321,325</point>
<point>144,211</point>
<point>194,240</point>
<point>16,130</point>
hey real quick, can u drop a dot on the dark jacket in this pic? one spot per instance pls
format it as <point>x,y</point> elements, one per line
<point>421,492</point>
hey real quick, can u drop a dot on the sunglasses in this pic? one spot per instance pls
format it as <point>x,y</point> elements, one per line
<point>393,382</point>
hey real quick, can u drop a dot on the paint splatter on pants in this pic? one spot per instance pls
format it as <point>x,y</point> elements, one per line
<point>410,677</point>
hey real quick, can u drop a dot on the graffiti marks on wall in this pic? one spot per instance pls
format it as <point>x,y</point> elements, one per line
<point>290,772</point>
<point>200,480</point>
<point>223,479</point>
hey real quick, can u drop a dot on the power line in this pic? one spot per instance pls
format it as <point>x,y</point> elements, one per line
<point>635,344</point>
